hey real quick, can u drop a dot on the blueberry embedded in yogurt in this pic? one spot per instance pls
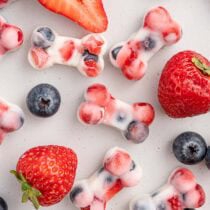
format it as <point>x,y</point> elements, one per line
<point>158,30</point>
<point>49,48</point>
<point>43,100</point>
<point>43,37</point>
<point>117,171</point>
<point>100,107</point>
<point>180,192</point>
<point>136,132</point>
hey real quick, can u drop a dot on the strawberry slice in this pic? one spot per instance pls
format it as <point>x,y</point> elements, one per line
<point>175,203</point>
<point>89,14</point>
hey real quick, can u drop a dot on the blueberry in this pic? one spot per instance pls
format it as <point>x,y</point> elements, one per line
<point>133,166</point>
<point>207,158</point>
<point>189,148</point>
<point>115,52</point>
<point>43,100</point>
<point>149,43</point>
<point>121,117</point>
<point>89,56</point>
<point>43,37</point>
<point>137,132</point>
<point>109,179</point>
<point>77,190</point>
<point>161,206</point>
<point>3,204</point>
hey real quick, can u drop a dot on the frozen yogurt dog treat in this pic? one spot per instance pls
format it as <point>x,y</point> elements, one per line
<point>4,3</point>
<point>132,56</point>
<point>86,54</point>
<point>101,107</point>
<point>117,171</point>
<point>11,37</point>
<point>11,118</point>
<point>180,193</point>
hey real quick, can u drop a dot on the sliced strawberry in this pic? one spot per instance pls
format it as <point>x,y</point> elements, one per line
<point>93,45</point>
<point>175,203</point>
<point>98,94</point>
<point>89,14</point>
<point>114,190</point>
<point>39,56</point>
<point>67,50</point>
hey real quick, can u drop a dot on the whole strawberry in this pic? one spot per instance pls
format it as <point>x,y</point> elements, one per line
<point>184,87</point>
<point>46,174</point>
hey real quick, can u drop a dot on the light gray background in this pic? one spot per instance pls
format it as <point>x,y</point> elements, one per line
<point>90,143</point>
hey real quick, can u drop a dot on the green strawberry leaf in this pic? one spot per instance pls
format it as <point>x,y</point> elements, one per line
<point>29,192</point>
<point>202,66</point>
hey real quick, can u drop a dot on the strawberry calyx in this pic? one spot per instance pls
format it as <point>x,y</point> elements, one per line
<point>29,192</point>
<point>201,66</point>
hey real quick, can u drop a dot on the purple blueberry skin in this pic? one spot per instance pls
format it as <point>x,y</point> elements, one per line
<point>43,100</point>
<point>189,148</point>
<point>137,132</point>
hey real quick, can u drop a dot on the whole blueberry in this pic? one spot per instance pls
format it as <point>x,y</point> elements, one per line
<point>136,132</point>
<point>115,52</point>
<point>43,37</point>
<point>189,148</point>
<point>3,204</point>
<point>149,43</point>
<point>207,158</point>
<point>89,56</point>
<point>43,100</point>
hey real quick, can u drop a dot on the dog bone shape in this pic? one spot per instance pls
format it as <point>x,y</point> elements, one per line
<point>101,107</point>
<point>158,30</point>
<point>86,54</point>
<point>180,193</point>
<point>11,118</point>
<point>11,37</point>
<point>117,171</point>
<point>4,3</point>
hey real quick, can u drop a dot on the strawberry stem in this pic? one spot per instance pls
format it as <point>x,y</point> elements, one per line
<point>29,193</point>
<point>202,66</point>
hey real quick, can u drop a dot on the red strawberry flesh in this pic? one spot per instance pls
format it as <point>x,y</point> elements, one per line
<point>89,14</point>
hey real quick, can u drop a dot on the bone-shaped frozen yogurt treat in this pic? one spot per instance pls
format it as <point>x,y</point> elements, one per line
<point>117,171</point>
<point>181,192</point>
<point>132,56</point>
<point>4,3</point>
<point>11,118</point>
<point>86,54</point>
<point>101,107</point>
<point>11,37</point>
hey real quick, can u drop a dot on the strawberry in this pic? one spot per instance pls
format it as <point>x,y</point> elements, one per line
<point>67,50</point>
<point>184,87</point>
<point>46,174</point>
<point>175,203</point>
<point>39,56</point>
<point>89,14</point>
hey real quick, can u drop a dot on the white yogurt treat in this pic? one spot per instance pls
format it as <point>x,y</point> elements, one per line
<point>11,37</point>
<point>101,107</point>
<point>133,55</point>
<point>181,192</point>
<point>118,170</point>
<point>11,118</point>
<point>48,48</point>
